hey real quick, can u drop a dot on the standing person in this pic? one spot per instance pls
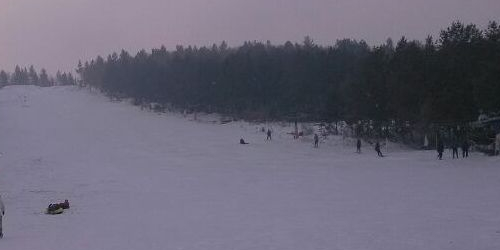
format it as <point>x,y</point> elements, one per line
<point>296,131</point>
<point>316,140</point>
<point>465,149</point>
<point>440,149</point>
<point>358,146</point>
<point>268,134</point>
<point>377,148</point>
<point>2,213</point>
<point>454,148</point>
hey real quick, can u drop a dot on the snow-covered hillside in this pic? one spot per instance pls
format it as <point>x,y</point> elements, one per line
<point>140,180</point>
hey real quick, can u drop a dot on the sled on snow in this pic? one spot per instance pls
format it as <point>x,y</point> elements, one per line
<point>57,208</point>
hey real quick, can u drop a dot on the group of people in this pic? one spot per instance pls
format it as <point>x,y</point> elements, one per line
<point>440,146</point>
<point>269,137</point>
<point>358,146</point>
<point>316,142</point>
<point>377,148</point>
<point>454,147</point>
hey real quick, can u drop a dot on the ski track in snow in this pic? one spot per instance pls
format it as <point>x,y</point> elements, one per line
<point>140,180</point>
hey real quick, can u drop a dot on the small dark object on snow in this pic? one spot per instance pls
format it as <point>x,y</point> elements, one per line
<point>243,141</point>
<point>58,208</point>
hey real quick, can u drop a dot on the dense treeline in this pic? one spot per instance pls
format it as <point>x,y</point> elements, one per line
<point>451,79</point>
<point>25,76</point>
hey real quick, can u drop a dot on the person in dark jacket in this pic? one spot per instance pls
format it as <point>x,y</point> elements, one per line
<point>440,149</point>
<point>316,140</point>
<point>454,148</point>
<point>377,148</point>
<point>358,146</point>
<point>268,135</point>
<point>64,205</point>
<point>243,141</point>
<point>465,149</point>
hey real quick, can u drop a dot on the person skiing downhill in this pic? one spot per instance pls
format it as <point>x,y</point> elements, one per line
<point>358,146</point>
<point>2,213</point>
<point>377,148</point>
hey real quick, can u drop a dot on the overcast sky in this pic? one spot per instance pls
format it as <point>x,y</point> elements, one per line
<point>55,34</point>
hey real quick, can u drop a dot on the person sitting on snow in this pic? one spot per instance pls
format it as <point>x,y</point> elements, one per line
<point>243,141</point>
<point>65,204</point>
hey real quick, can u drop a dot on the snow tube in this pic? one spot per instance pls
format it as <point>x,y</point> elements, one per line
<point>59,210</point>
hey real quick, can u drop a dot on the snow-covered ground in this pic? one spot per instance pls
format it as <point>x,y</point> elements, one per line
<point>140,180</point>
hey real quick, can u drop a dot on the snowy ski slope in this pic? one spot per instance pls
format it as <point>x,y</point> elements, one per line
<point>140,180</point>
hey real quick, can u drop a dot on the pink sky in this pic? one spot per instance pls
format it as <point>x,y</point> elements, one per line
<point>55,34</point>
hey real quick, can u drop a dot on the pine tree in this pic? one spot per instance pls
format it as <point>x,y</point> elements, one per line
<point>33,76</point>
<point>44,78</point>
<point>16,76</point>
<point>4,78</point>
<point>25,79</point>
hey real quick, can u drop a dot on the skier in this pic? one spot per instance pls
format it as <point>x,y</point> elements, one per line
<point>454,147</point>
<point>377,148</point>
<point>440,149</point>
<point>2,213</point>
<point>316,140</point>
<point>243,141</point>
<point>465,149</point>
<point>268,134</point>
<point>358,146</point>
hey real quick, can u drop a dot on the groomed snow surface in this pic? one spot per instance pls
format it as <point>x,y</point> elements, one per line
<point>140,180</point>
